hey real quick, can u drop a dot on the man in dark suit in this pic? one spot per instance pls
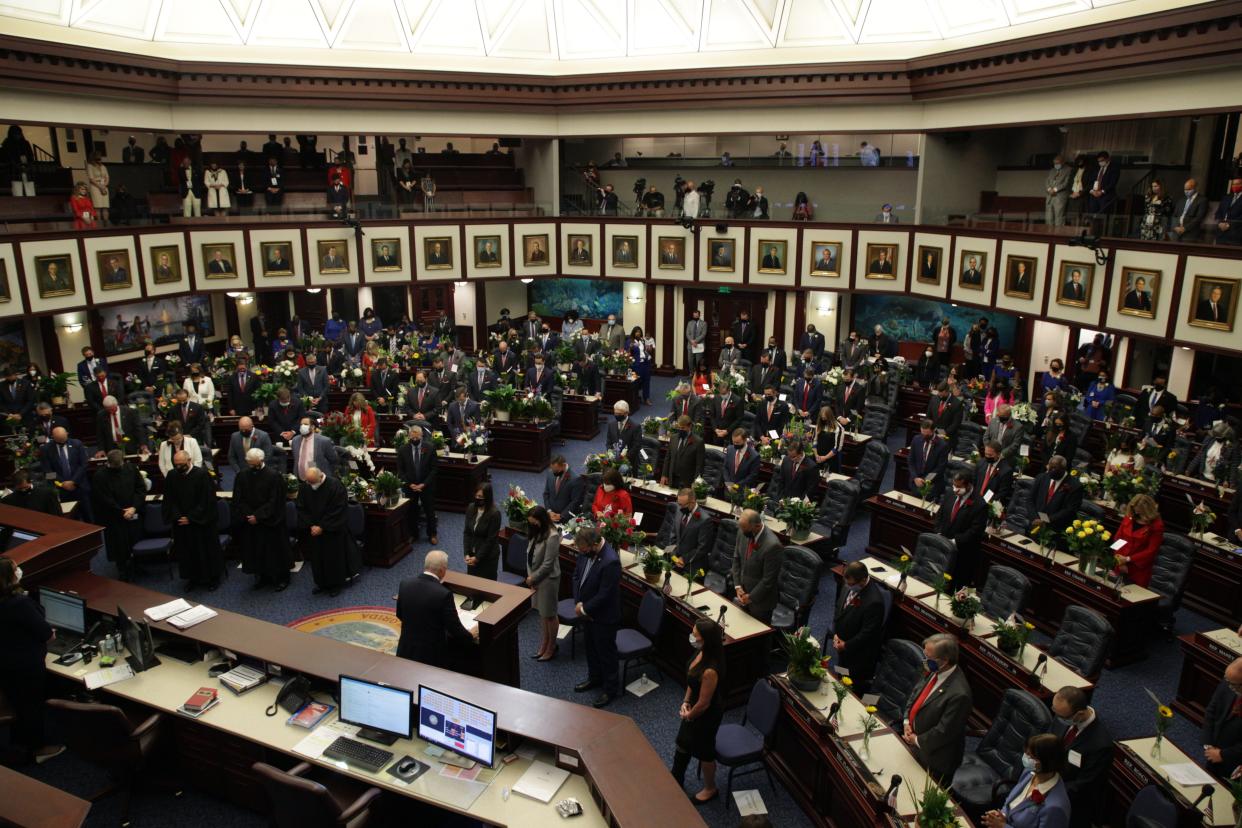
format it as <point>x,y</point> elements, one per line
<point>684,460</point>
<point>741,462</point>
<point>1138,298</point>
<point>44,422</point>
<point>929,454</point>
<point>858,626</point>
<point>219,264</point>
<point>796,476</point>
<point>462,412</point>
<point>385,384</point>
<point>1222,724</point>
<point>190,348</point>
<point>812,339</point>
<point>763,374</point>
<point>150,370</point>
<point>313,381</point>
<point>934,724</point>
<point>807,395</point>
<point>1074,289</point>
<point>416,466</point>
<point>117,428</point>
<point>776,355</point>
<point>1056,495</point>
<point>1089,750</point>
<point>1102,192</point>
<point>945,412</point>
<point>1157,395</point>
<point>422,398</point>
<point>744,335</point>
<point>99,388</point>
<point>1188,214</point>
<point>504,361</point>
<point>242,385</point>
<point>353,342</point>
<point>993,475</point>
<point>962,519</point>
<point>284,416</point>
<point>480,380</point>
<point>686,533</point>
<point>757,560</point>
<point>428,615</point>
<point>771,416</point>
<point>851,397</point>
<point>597,601</point>
<point>624,434</point>
<point>724,412</point>
<point>16,398</point>
<point>1229,215</point>
<point>972,276</point>
<point>24,494</point>
<point>66,459</point>
<point>562,490</point>
<point>1212,307</point>
<point>192,417</point>
<point>686,402</point>
<point>539,378</point>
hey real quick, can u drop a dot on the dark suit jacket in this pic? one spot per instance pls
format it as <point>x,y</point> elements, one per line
<point>1065,503</point>
<point>457,417</point>
<point>948,421</point>
<point>86,374</point>
<point>690,538</point>
<point>599,591</point>
<point>240,400</point>
<point>129,428</point>
<point>761,375</point>
<point>429,622</point>
<point>475,389</point>
<point>1000,484</point>
<point>762,424</point>
<point>1230,210</point>
<point>629,437</point>
<point>505,363</point>
<point>683,461</point>
<point>190,355</point>
<point>17,398</point>
<point>423,471</point>
<point>318,388</point>
<point>966,530</point>
<point>1108,177</point>
<point>1223,730</point>
<point>801,483</point>
<point>1192,224</point>
<point>150,377</point>
<point>193,421</point>
<point>429,404</point>
<point>813,341</point>
<point>94,395</point>
<point>849,405</point>
<point>1088,781</point>
<point>542,385</point>
<point>78,461</point>
<point>386,383</point>
<point>806,396</point>
<point>937,460</point>
<point>940,725</point>
<point>758,573</point>
<point>690,405</point>
<point>745,472</point>
<point>282,418</point>
<point>1167,400</point>
<point>38,428</point>
<point>744,337</point>
<point>565,498</point>
<point>859,622</point>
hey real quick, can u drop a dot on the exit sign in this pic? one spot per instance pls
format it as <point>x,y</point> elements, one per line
<point>724,290</point>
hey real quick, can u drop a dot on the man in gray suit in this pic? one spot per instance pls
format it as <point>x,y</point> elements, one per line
<point>696,337</point>
<point>687,533</point>
<point>1007,431</point>
<point>611,334</point>
<point>245,438</point>
<point>1188,215</point>
<point>310,449</point>
<point>1056,192</point>
<point>757,560</point>
<point>313,381</point>
<point>934,724</point>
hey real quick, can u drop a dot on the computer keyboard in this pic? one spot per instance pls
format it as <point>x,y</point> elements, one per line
<point>60,646</point>
<point>357,754</point>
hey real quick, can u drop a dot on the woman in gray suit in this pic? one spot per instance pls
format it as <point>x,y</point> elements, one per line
<point>543,575</point>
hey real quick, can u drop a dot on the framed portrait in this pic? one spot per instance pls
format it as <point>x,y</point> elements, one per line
<point>54,276</point>
<point>580,253</point>
<point>114,269</point>
<point>166,264</point>
<point>825,258</point>
<point>1215,302</point>
<point>625,251</point>
<point>487,251</point>
<point>1138,292</point>
<point>720,254</point>
<point>438,252</point>
<point>277,258</point>
<point>881,261</point>
<point>535,249</point>
<point>1074,285</point>
<point>927,266</point>
<point>220,260</point>
<point>333,255</point>
<point>972,269</point>
<point>6,295</point>
<point>1020,276</point>
<point>772,256</point>
<point>385,255</point>
<point>672,252</point>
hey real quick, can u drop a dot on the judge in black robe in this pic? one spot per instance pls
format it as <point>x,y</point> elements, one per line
<point>190,509</point>
<point>323,531</point>
<point>26,495</point>
<point>119,496</point>
<point>258,508</point>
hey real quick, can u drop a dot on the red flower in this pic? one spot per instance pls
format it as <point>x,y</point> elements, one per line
<point>823,662</point>
<point>1037,796</point>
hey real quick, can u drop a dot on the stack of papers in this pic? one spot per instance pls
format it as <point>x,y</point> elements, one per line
<point>541,781</point>
<point>108,675</point>
<point>168,610</point>
<point>190,617</point>
<point>242,678</point>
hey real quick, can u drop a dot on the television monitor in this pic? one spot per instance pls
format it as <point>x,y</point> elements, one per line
<point>63,611</point>
<point>456,725</point>
<point>384,713</point>
<point>137,638</point>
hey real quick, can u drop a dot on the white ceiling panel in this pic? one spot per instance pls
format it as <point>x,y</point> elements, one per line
<point>287,23</point>
<point>898,21</point>
<point>198,21</point>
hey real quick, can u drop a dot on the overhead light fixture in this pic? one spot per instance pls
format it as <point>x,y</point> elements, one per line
<point>527,281</point>
<point>314,291</point>
<point>73,327</point>
<point>247,299</point>
<point>232,294</point>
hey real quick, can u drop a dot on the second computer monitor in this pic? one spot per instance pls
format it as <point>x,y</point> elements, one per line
<point>63,611</point>
<point>457,726</point>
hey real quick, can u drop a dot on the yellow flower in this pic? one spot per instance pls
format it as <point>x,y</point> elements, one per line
<point>1029,625</point>
<point>847,681</point>
<point>1077,523</point>
<point>1069,530</point>
<point>1081,535</point>
<point>1105,535</point>
<point>1074,473</point>
<point>1164,712</point>
<point>871,709</point>
<point>905,558</point>
<point>1088,531</point>
<point>948,577</point>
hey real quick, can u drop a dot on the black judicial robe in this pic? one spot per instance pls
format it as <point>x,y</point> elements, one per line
<point>334,556</point>
<point>37,498</point>
<point>112,492</point>
<point>265,544</point>
<point>197,546</point>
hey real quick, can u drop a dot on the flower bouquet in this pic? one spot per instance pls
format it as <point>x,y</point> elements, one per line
<point>1089,540</point>
<point>934,809</point>
<point>292,484</point>
<point>942,586</point>
<point>517,506</point>
<point>833,377</point>
<point>617,363</point>
<point>1202,519</point>
<point>770,452</point>
<point>286,372</point>
<point>743,498</point>
<point>1012,635</point>
<point>351,377</point>
<point>996,514</point>
<point>473,442</point>
<point>655,426</point>
<point>387,489</point>
<point>25,452</point>
<point>620,530</point>
<point>539,407</point>
<point>807,666</point>
<point>701,489</point>
<point>356,487</point>
<point>1024,413</point>
<point>965,604</point>
<point>597,463</point>
<point>798,514</point>
<point>333,426</point>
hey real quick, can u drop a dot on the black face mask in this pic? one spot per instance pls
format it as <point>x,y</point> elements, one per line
<point>621,418</point>
<point>422,383</point>
<point>1056,475</point>
<point>478,501</point>
<point>247,433</point>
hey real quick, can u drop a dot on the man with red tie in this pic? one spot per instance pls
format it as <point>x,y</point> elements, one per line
<point>191,416</point>
<point>994,474</point>
<point>683,462</point>
<point>807,393</point>
<point>962,518</point>
<point>100,387</point>
<point>945,412</point>
<point>757,559</point>
<point>117,428</point>
<point>929,455</point>
<point>797,475</point>
<point>851,397</point>
<point>741,461</point>
<point>685,402</point>
<point>771,416</point>
<point>724,412</point>
<point>1088,748</point>
<point>934,724</point>
<point>422,398</point>
<point>1056,495</point>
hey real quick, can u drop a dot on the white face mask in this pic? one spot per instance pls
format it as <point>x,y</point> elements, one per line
<point>695,643</point>
<point>304,429</point>
<point>608,487</point>
<point>17,574</point>
<point>1057,166</point>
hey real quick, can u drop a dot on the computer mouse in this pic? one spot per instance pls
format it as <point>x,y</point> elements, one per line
<point>406,766</point>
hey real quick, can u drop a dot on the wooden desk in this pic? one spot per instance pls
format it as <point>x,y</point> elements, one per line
<point>624,782</point>
<point>387,533</point>
<point>456,477</point>
<point>1215,573</point>
<point>580,417</point>
<point>29,803</point>
<point>912,402</point>
<point>60,546</point>
<point>622,388</point>
<point>1205,657</point>
<point>1135,769</point>
<point>1176,510</point>
<point>523,446</point>
<point>897,520</point>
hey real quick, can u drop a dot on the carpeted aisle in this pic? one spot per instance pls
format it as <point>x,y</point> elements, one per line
<point>1120,697</point>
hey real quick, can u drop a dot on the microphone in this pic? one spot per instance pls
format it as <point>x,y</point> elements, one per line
<point>890,798</point>
<point>832,711</point>
<point>720,618</point>
<point>1206,793</point>
<point>1042,661</point>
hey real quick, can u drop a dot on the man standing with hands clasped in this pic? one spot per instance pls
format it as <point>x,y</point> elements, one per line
<point>416,465</point>
<point>597,601</point>
<point>935,721</point>
<point>757,561</point>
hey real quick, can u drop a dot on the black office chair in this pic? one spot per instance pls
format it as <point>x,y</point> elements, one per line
<point>639,644</point>
<point>156,537</point>
<point>513,572</point>
<point>876,420</point>
<point>1185,450</point>
<point>1151,808</point>
<point>1169,575</point>
<point>719,576</point>
<point>713,468</point>
<point>898,672</point>
<point>590,485</point>
<point>871,467</point>
<point>1082,641</point>
<point>836,512</point>
<point>1020,511</point>
<point>307,797</point>
<point>988,773</point>
<point>933,556</point>
<point>797,586</point>
<point>1004,592</point>
<point>969,438</point>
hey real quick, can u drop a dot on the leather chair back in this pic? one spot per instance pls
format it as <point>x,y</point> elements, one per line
<point>356,521</point>
<point>153,523</point>
<point>953,467</point>
<point>969,438</point>
<point>896,675</point>
<point>719,576</point>
<point>1020,717</point>
<point>1151,809</point>
<point>1082,459</point>
<point>933,556</point>
<point>1082,642</point>
<point>763,707</point>
<point>747,421</point>
<point>872,466</point>
<point>1171,569</point>
<point>713,469</point>
<point>99,733</point>
<point>1091,510</point>
<point>651,613</point>
<point>297,802</point>
<point>1185,451</point>
<point>1004,592</point>
<point>1079,425</point>
<point>876,420</point>
<point>590,483</point>
<point>839,505</point>
<point>799,583</point>
<point>557,398</point>
<point>1020,510</point>
<point>1124,405</point>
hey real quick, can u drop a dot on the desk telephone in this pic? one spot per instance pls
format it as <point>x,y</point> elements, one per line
<point>293,696</point>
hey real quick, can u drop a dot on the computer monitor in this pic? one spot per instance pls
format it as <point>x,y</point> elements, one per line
<point>63,611</point>
<point>457,726</point>
<point>384,713</point>
<point>137,638</point>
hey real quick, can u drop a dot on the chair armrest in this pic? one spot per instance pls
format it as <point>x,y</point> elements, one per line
<point>359,805</point>
<point>147,726</point>
<point>299,769</point>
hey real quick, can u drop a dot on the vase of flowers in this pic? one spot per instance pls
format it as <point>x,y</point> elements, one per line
<point>840,689</point>
<point>620,530</point>
<point>56,386</point>
<point>903,565</point>
<point>1012,635</point>
<point>1088,539</point>
<point>869,725</point>
<point>1201,520</point>
<point>387,489</point>
<point>499,402</point>
<point>942,586</point>
<point>654,563</point>
<point>700,489</point>
<point>807,666</point>
<point>965,605</point>
<point>934,809</point>
<point>798,514</point>
<point>516,507</point>
<point>1164,718</point>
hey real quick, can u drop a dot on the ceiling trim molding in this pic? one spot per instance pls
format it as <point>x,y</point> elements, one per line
<point>1165,43</point>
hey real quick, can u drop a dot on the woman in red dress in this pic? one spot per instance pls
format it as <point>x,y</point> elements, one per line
<point>701,382</point>
<point>611,496</point>
<point>84,216</point>
<point>1143,531</point>
<point>360,413</point>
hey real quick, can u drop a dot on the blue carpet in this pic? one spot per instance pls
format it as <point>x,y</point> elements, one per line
<point>1120,696</point>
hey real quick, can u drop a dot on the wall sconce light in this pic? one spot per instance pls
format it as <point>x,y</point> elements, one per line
<point>232,294</point>
<point>527,281</point>
<point>73,327</point>
<point>247,298</point>
<point>635,298</point>
<point>314,291</point>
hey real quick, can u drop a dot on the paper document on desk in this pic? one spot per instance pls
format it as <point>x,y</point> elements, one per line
<point>467,617</point>
<point>195,615</point>
<point>108,675</point>
<point>167,610</point>
<point>314,744</point>
<point>541,781</point>
<point>1187,773</point>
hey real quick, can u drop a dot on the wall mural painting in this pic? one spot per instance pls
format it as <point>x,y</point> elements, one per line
<point>126,327</point>
<point>591,298</point>
<point>910,319</point>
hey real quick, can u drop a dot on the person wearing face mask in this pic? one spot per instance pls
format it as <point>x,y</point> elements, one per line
<point>1142,530</point>
<point>420,398</point>
<point>539,378</point>
<point>1004,430</point>
<point>1157,394</point>
<point>24,493</point>
<point>1188,214</point>
<point>1057,192</point>
<point>597,604</point>
<point>245,438</point>
<point>177,440</point>
<point>313,381</point>
<point>736,200</point>
<point>418,467</point>
<point>927,371</point>
<point>853,351</point>
<point>543,575</point>
<point>462,412</point>
<point>151,370</point>
<point>962,519</point>
<point>696,337</point>
<point>189,507</point>
<point>1102,186</point>
<point>258,511</point>
<point>702,708</point>
<point>724,413</point>
<point>562,490</point>
<point>1229,215</point>
<point>24,634</point>
<point>858,625</point>
<point>481,534</point>
<point>685,402</point>
<point>1059,439</point>
<point>829,440</point>
<point>1041,798</point>
<point>687,533</point>
<point>993,474</point>
<point>611,334</point>
<point>1089,755</point>
<point>757,205</point>
<point>624,436</point>
<point>612,497</point>
<point>934,723</point>
<point>945,412</point>
<point>999,393</point>
<point>323,531</point>
<point>65,461</point>
<point>741,462</point>
<point>1157,212</point>
<point>310,449</point>
<point>813,341</point>
<point>284,415</point>
<point>118,495</point>
<point>771,416</point>
<point>757,559</point>
<point>807,394</point>
<point>929,454</point>
<point>1099,395</point>
<point>943,339</point>
<point>242,384</point>
<point>684,460</point>
<point>1056,494</point>
<point>1222,724</point>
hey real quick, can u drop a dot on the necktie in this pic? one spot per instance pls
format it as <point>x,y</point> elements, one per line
<point>770,407</point>
<point>685,405</point>
<point>926,451</point>
<point>559,479</point>
<point>64,461</point>
<point>918,703</point>
<point>957,506</point>
<point>241,382</point>
<point>1052,489</point>
<point>987,475</point>
<point>941,409</point>
<point>723,404</point>
<point>1071,733</point>
<point>116,426</point>
<point>848,389</point>
<point>103,388</point>
<point>185,412</point>
<point>806,394</point>
<point>737,459</point>
<point>305,455</point>
<point>1236,710</point>
<point>245,443</point>
<point>750,548</point>
<point>421,391</point>
<point>793,475</point>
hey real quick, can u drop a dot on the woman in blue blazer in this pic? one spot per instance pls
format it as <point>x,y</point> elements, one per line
<point>1040,799</point>
<point>1099,395</point>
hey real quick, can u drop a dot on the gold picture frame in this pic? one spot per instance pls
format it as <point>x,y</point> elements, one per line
<point>1203,296</point>
<point>332,255</point>
<point>438,253</point>
<point>830,266</point>
<point>929,260</point>
<point>6,293</point>
<point>276,258</point>
<point>721,255</point>
<point>972,269</point>
<point>54,275</point>
<point>115,272</point>
<point>580,253</point>
<point>772,256</point>
<point>535,250</point>
<point>1020,276</point>
<point>625,251</point>
<point>1075,284</point>
<point>672,253</point>
<point>219,260</point>
<point>166,264</point>
<point>487,252</point>
<point>385,255</point>
<point>882,261</point>
<point>1138,292</point>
